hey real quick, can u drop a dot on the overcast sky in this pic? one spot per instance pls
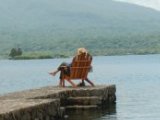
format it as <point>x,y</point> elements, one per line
<point>155,4</point>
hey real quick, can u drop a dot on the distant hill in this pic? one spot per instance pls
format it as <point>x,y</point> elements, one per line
<point>105,27</point>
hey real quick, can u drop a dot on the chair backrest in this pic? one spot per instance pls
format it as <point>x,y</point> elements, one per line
<point>81,65</point>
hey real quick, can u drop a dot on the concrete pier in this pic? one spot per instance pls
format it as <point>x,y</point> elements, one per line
<point>49,103</point>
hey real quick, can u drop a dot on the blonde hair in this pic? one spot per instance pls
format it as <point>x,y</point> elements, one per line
<point>81,50</point>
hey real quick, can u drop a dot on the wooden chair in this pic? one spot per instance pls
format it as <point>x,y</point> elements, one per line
<point>79,69</point>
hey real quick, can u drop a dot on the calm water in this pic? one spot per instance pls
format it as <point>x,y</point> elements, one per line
<point>137,79</point>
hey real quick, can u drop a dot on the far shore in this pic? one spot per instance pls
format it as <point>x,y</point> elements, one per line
<point>28,57</point>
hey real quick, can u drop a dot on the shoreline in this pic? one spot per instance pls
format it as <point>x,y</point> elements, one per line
<point>59,57</point>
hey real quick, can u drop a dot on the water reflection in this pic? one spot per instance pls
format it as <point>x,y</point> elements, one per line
<point>108,112</point>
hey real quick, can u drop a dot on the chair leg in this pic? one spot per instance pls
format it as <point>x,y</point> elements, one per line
<point>89,82</point>
<point>83,82</point>
<point>61,83</point>
<point>73,85</point>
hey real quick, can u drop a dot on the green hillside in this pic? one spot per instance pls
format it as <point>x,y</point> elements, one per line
<point>58,27</point>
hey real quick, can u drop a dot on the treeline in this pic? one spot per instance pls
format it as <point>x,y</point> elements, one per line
<point>102,44</point>
<point>99,46</point>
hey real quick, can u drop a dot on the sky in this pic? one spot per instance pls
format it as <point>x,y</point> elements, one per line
<point>154,4</point>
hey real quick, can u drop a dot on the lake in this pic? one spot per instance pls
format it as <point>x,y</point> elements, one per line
<point>137,78</point>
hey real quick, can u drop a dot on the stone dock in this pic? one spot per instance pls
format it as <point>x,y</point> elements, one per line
<point>50,103</point>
